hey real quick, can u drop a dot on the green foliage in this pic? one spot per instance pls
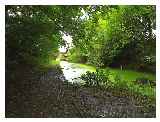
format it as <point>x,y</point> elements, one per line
<point>127,75</point>
<point>130,75</point>
<point>102,78</point>
<point>117,35</point>
<point>107,36</point>
<point>127,34</point>
<point>74,55</point>
<point>97,78</point>
<point>119,83</point>
<point>33,33</point>
<point>102,35</point>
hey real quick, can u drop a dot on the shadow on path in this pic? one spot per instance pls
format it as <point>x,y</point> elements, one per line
<point>48,94</point>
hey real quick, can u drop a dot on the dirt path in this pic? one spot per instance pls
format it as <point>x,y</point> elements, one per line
<point>47,95</point>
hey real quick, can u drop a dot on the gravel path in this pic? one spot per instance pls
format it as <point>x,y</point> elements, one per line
<point>47,95</point>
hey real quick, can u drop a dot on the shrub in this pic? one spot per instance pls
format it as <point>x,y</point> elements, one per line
<point>98,78</point>
<point>101,78</point>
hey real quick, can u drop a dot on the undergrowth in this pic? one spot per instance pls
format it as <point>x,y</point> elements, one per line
<point>101,78</point>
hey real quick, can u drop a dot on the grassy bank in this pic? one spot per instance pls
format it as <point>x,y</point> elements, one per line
<point>127,80</point>
<point>127,75</point>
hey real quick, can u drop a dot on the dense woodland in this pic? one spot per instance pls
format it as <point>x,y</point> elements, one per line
<point>121,37</point>
<point>105,36</point>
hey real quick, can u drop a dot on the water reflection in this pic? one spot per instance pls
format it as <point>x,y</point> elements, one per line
<point>71,71</point>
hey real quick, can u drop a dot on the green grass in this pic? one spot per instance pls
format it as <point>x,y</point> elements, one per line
<point>130,75</point>
<point>85,66</point>
<point>127,75</point>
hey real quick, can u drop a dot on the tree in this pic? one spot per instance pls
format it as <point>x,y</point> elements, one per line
<point>117,35</point>
<point>33,32</point>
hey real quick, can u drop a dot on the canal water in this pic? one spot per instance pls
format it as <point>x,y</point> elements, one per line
<point>72,71</point>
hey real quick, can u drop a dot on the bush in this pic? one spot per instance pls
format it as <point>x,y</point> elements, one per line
<point>102,78</point>
<point>98,78</point>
